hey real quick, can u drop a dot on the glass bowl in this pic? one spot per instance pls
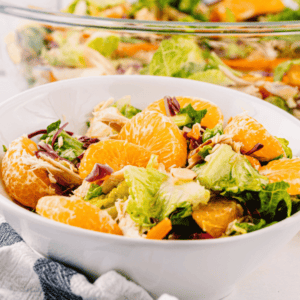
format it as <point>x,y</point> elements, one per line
<point>42,45</point>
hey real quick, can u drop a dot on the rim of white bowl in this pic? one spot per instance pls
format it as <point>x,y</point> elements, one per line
<point>86,232</point>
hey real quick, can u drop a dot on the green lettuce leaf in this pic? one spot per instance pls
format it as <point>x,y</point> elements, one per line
<point>210,133</point>
<point>125,108</point>
<point>274,194</point>
<point>287,14</point>
<point>212,76</point>
<point>229,172</point>
<point>173,55</point>
<point>214,61</point>
<point>285,145</point>
<point>284,67</point>
<point>143,186</point>
<point>65,56</point>
<point>71,147</point>
<point>105,201</point>
<point>105,45</point>
<point>180,199</point>
<point>189,69</point>
<point>204,151</point>
<point>279,102</point>
<point>94,191</point>
<point>256,225</point>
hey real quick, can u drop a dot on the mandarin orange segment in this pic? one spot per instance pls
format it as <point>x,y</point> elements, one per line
<point>245,9</point>
<point>254,162</point>
<point>76,212</point>
<point>23,182</point>
<point>249,132</point>
<point>159,135</point>
<point>284,170</point>
<point>117,154</point>
<point>215,216</point>
<point>212,118</point>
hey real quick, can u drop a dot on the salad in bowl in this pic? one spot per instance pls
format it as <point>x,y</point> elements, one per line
<point>192,242</point>
<point>171,171</point>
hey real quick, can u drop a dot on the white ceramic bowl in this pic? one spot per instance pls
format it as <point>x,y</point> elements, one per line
<point>201,269</point>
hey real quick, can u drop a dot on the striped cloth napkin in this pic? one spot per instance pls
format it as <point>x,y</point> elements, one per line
<point>25,274</point>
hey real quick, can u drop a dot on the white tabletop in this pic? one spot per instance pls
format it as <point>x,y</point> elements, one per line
<point>277,279</point>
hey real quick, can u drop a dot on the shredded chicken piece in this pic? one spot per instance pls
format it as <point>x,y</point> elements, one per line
<point>284,91</point>
<point>82,190</point>
<point>250,89</point>
<point>230,75</point>
<point>182,174</point>
<point>104,104</point>
<point>127,225</point>
<point>145,14</point>
<point>111,117</point>
<point>80,8</point>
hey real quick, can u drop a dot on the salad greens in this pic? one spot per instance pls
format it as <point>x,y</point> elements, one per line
<point>210,133</point>
<point>188,116</point>
<point>286,148</point>
<point>229,172</point>
<point>173,55</point>
<point>143,186</point>
<point>71,147</point>
<point>125,108</point>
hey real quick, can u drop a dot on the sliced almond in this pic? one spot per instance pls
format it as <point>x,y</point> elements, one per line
<point>183,174</point>
<point>63,175</point>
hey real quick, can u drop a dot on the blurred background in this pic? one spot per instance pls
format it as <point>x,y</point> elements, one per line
<point>252,46</point>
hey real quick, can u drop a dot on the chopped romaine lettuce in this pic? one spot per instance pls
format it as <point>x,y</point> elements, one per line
<point>178,200</point>
<point>65,56</point>
<point>32,40</point>
<point>125,108</point>
<point>272,196</point>
<point>285,145</point>
<point>214,61</point>
<point>189,69</point>
<point>94,191</point>
<point>212,76</point>
<point>70,149</point>
<point>105,45</point>
<point>279,102</point>
<point>173,55</point>
<point>287,14</point>
<point>229,172</point>
<point>250,227</point>
<point>106,201</point>
<point>210,133</point>
<point>143,186</point>
<point>188,116</point>
<point>284,67</point>
<point>204,151</point>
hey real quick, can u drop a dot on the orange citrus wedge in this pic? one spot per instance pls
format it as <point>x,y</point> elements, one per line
<point>116,154</point>
<point>159,135</point>
<point>212,118</point>
<point>248,131</point>
<point>25,182</point>
<point>215,216</point>
<point>287,170</point>
<point>76,212</point>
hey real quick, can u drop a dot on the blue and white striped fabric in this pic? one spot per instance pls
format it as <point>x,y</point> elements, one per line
<point>24,274</point>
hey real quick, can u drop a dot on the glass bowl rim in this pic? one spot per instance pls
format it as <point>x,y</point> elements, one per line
<point>211,29</point>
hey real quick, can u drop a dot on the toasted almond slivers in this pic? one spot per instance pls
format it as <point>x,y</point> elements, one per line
<point>183,174</point>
